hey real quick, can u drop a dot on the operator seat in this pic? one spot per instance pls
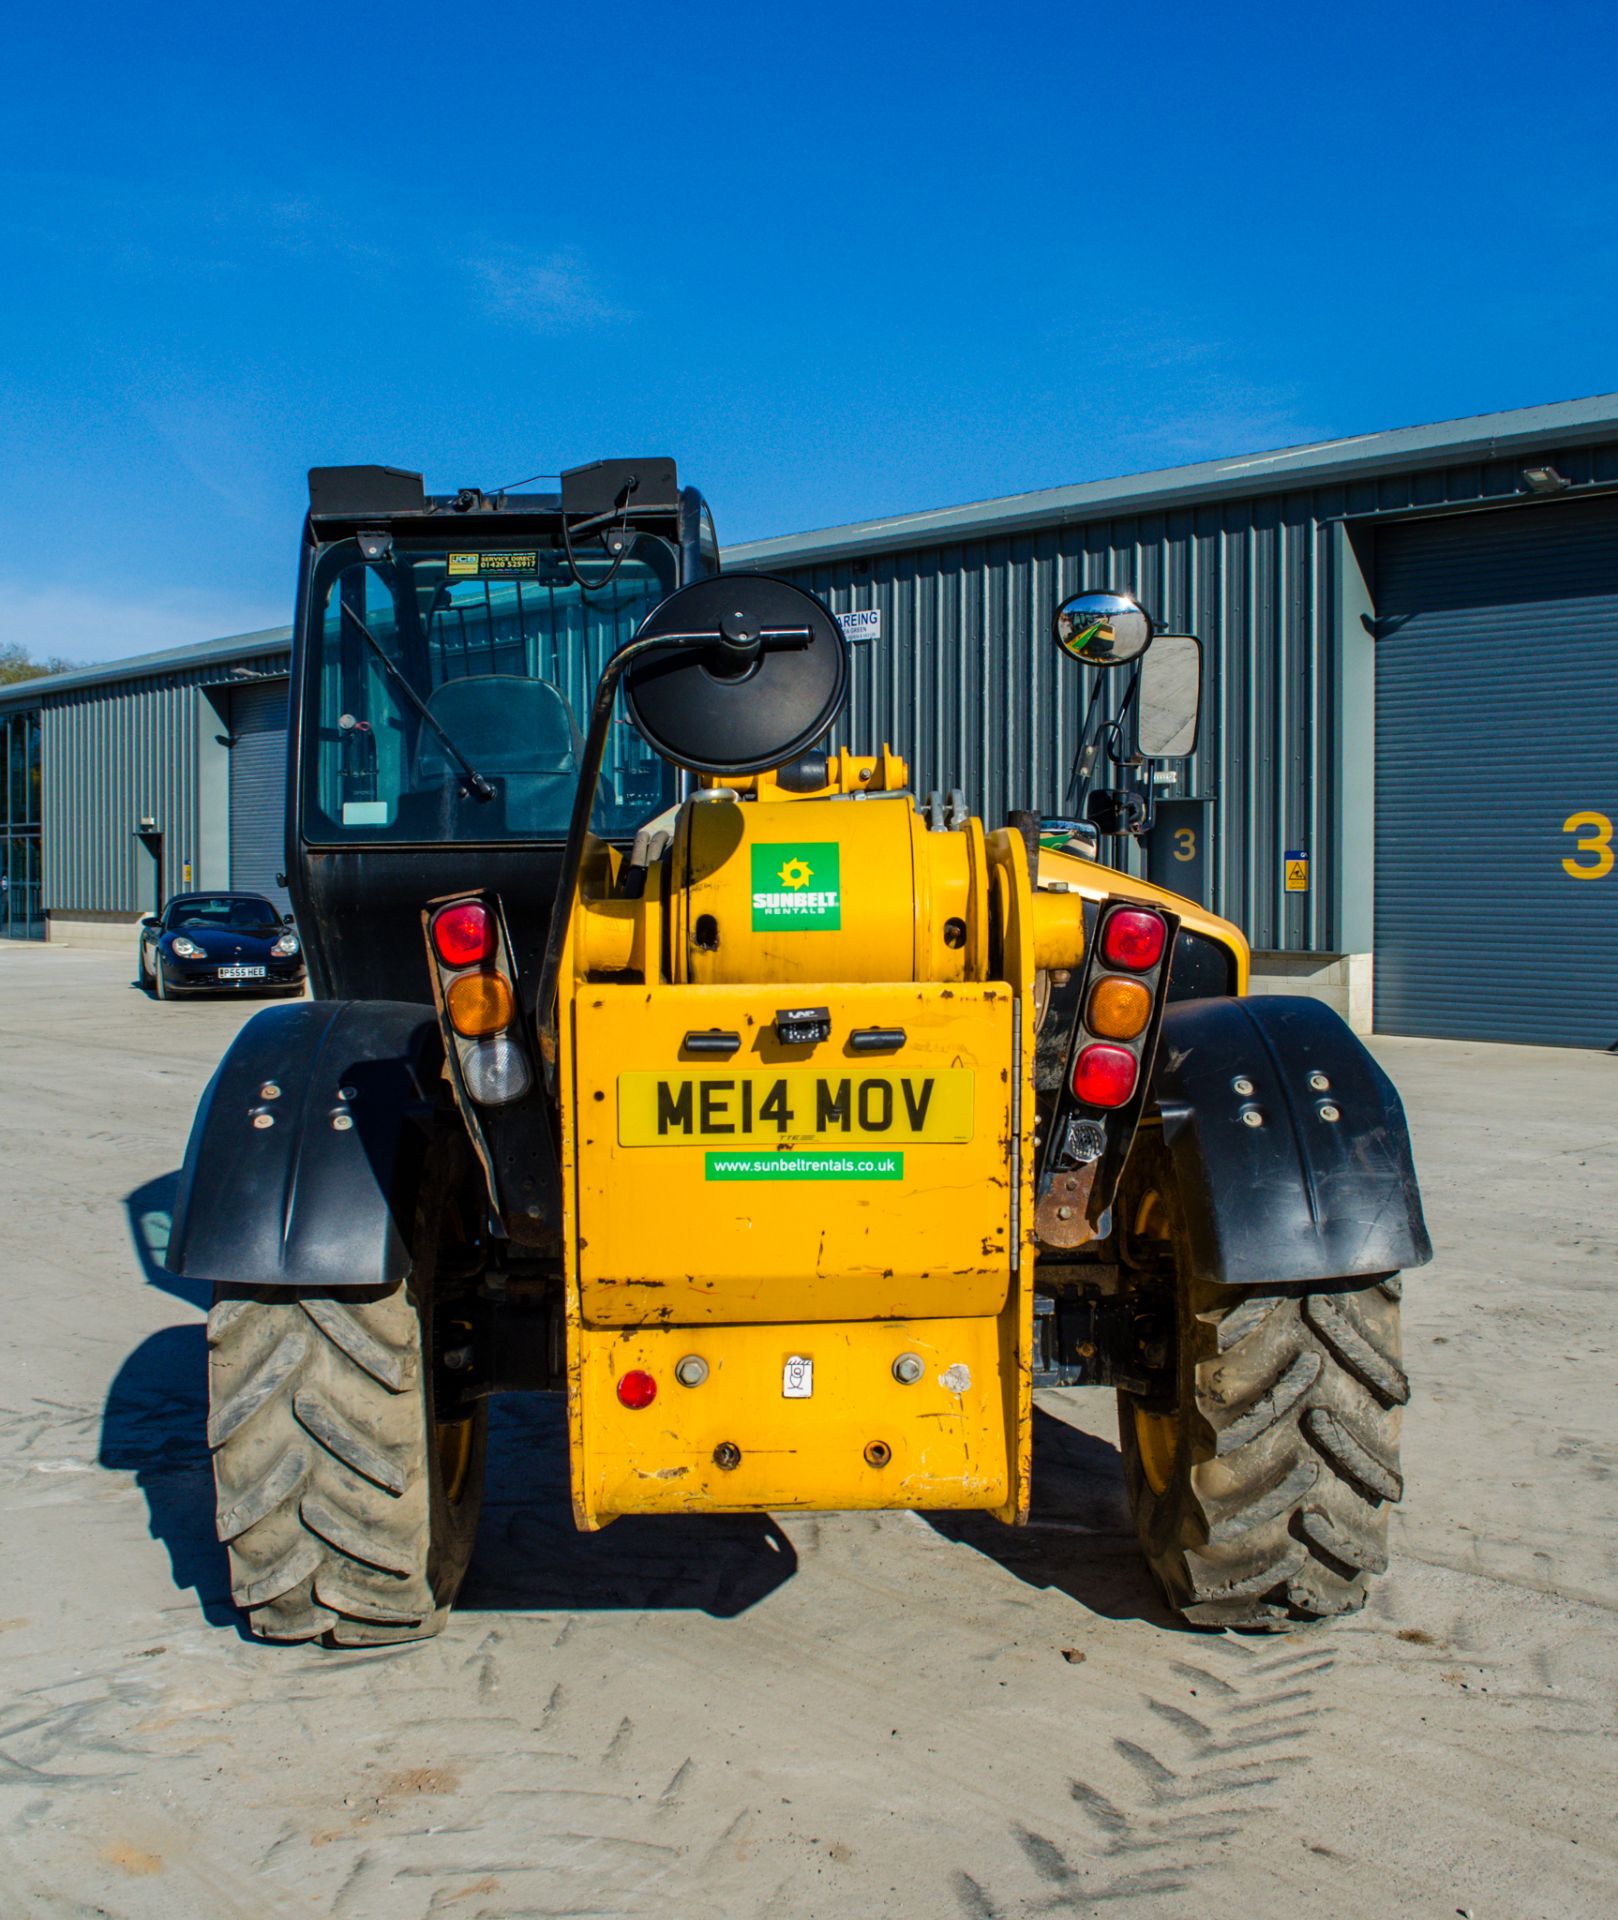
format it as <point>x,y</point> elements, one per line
<point>521,736</point>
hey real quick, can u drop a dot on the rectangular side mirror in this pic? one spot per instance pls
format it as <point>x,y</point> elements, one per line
<point>148,919</point>
<point>1169,697</point>
<point>286,919</point>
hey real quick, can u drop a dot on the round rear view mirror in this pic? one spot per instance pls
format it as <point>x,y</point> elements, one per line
<point>1103,629</point>
<point>768,686</point>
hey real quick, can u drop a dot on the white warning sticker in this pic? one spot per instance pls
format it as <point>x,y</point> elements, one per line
<point>798,1378</point>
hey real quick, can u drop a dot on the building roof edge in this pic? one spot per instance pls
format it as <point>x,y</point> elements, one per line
<point>199,653</point>
<point>1398,449</point>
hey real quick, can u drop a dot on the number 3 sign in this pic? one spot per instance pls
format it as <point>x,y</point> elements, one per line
<point>1595,839</point>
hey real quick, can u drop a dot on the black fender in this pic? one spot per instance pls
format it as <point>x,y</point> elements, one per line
<point>308,1146</point>
<point>1289,1147</point>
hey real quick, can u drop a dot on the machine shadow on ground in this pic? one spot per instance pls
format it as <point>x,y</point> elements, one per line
<point>154,1425</point>
<point>530,1557</point>
<point>150,1209</point>
<point>1080,1539</point>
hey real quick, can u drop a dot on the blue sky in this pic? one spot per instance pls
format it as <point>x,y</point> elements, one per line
<point>840,260</point>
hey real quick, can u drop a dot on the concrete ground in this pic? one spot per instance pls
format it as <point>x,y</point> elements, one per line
<point>865,1714</point>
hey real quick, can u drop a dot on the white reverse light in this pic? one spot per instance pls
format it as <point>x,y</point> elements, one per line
<point>495,1071</point>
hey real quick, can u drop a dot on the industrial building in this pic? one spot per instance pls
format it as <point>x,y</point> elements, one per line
<point>1407,782</point>
<point>142,778</point>
<point>1405,789</point>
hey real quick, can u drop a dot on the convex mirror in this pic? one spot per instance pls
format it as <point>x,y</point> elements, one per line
<point>1169,697</point>
<point>1103,629</point>
<point>766,689</point>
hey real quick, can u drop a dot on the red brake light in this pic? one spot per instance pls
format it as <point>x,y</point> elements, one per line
<point>636,1389</point>
<point>464,933</point>
<point>1104,1076</point>
<point>1133,938</point>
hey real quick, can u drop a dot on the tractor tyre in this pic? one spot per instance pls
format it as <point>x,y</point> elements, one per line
<point>1261,1471</point>
<point>348,1506</point>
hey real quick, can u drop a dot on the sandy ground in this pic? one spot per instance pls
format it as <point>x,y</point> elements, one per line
<point>861,1715</point>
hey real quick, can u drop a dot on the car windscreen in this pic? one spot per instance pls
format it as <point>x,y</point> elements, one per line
<point>445,692</point>
<point>223,913</point>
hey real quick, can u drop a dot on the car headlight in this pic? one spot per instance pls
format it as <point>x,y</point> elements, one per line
<point>186,949</point>
<point>285,947</point>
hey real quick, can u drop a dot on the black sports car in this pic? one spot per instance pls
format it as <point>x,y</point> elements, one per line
<point>219,943</point>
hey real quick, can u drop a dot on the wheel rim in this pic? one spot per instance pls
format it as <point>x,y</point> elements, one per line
<point>1157,1437</point>
<point>1152,1216</point>
<point>453,1439</point>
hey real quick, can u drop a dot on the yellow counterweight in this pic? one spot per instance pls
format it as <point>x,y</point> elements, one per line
<point>798,1115</point>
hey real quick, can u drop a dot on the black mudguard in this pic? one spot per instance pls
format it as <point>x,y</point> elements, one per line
<point>277,1191</point>
<point>1297,1196</point>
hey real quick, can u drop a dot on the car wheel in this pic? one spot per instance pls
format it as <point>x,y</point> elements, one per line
<point>160,985</point>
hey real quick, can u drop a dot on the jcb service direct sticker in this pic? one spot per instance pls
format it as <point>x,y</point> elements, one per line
<point>472,566</point>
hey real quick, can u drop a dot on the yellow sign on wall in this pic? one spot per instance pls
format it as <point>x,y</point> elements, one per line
<point>1595,840</point>
<point>1296,866</point>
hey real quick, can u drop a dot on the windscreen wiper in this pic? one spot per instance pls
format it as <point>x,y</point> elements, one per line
<point>474,780</point>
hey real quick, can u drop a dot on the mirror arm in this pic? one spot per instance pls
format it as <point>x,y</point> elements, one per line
<point>1078,779</point>
<point>1128,709</point>
<point>578,829</point>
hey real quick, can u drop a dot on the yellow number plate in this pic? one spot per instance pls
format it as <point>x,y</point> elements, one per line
<point>794,1106</point>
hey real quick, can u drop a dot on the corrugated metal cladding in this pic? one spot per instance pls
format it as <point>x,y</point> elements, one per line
<point>117,752</point>
<point>258,789</point>
<point>967,684</point>
<point>1497,776</point>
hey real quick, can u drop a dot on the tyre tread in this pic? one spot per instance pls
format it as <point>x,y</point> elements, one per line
<point>1277,1511</point>
<point>324,1468</point>
<point>1354,1348</point>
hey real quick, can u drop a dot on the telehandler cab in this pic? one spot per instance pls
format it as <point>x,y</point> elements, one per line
<point>794,1130</point>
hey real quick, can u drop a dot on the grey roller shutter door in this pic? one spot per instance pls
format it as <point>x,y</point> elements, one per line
<point>258,787</point>
<point>1496,723</point>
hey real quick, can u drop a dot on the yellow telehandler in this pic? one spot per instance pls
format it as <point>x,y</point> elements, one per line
<point>793,1127</point>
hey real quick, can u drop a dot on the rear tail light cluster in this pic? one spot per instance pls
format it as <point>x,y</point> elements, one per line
<point>1113,1013</point>
<point>1122,994</point>
<point>475,986</point>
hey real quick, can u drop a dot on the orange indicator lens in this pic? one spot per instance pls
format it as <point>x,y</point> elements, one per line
<point>480,1003</point>
<point>1119,1009</point>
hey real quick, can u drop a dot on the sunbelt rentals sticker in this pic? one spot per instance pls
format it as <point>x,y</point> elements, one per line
<point>797,884</point>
